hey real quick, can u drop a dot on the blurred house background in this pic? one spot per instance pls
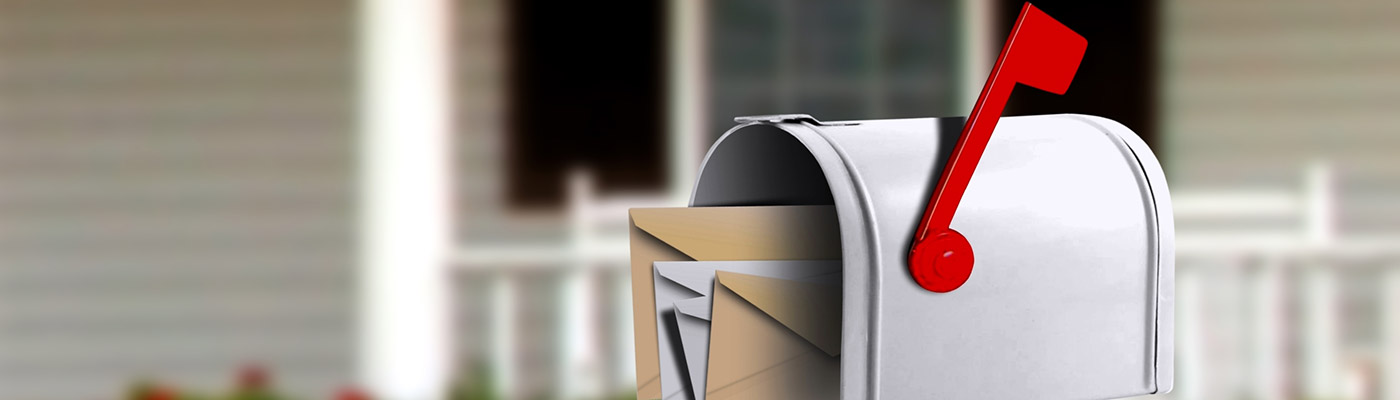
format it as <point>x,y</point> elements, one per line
<point>403,195</point>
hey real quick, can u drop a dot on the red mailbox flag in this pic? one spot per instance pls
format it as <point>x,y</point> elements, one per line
<point>1041,53</point>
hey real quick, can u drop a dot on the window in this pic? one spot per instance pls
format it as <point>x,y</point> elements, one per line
<point>587,89</point>
<point>833,59</point>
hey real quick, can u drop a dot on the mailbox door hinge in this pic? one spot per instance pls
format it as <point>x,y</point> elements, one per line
<point>788,118</point>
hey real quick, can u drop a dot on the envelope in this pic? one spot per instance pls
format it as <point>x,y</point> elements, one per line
<point>715,234</point>
<point>683,372</point>
<point>774,339</point>
<point>693,324</point>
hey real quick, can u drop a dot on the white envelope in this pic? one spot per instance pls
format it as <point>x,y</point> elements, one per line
<point>684,371</point>
<point>693,323</point>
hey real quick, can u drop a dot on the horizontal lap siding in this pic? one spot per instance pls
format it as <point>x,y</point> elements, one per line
<point>175,194</point>
<point>1256,89</point>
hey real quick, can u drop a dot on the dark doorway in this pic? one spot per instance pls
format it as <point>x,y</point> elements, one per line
<point>1118,77</point>
<point>587,90</point>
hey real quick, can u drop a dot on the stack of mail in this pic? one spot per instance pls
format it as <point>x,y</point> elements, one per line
<point>737,302</point>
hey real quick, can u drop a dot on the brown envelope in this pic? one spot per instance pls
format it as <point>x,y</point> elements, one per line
<point>774,339</point>
<point>716,234</point>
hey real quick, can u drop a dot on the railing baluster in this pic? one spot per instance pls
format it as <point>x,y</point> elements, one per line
<point>624,357</point>
<point>1390,333</point>
<point>1266,295</point>
<point>1190,352</point>
<point>503,326</point>
<point>579,368</point>
<point>1320,339</point>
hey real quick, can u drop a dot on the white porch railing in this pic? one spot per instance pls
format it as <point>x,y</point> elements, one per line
<point>1262,313</point>
<point>595,250</point>
<point>1260,291</point>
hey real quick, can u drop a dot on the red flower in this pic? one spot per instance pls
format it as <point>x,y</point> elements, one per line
<point>252,377</point>
<point>160,393</point>
<point>351,393</point>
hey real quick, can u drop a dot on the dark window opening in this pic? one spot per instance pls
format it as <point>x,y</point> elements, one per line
<point>587,90</point>
<point>1118,77</point>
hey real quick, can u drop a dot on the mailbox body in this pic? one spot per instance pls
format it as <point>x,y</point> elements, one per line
<point>1068,215</point>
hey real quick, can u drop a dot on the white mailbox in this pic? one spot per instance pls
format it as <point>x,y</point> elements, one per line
<point>1071,221</point>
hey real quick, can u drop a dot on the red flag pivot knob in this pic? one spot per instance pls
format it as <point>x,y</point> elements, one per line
<point>941,262</point>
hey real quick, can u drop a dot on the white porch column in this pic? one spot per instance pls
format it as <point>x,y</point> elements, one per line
<point>979,50</point>
<point>688,74</point>
<point>404,231</point>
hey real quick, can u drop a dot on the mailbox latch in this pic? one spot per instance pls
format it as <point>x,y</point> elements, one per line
<point>788,118</point>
